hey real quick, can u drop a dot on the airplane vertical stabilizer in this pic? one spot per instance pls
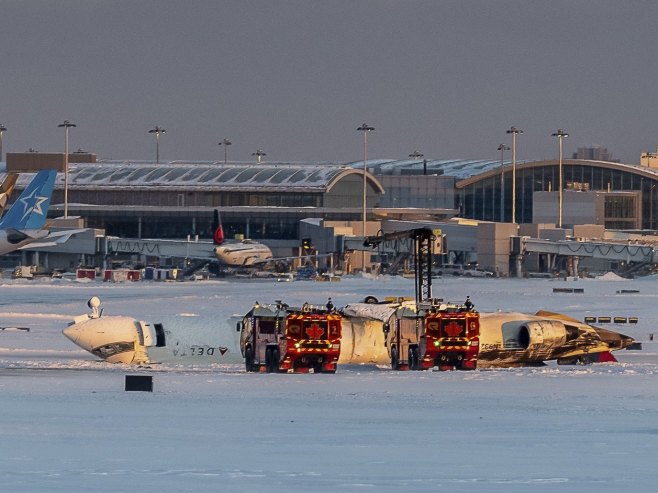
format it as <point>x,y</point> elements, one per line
<point>31,208</point>
<point>6,189</point>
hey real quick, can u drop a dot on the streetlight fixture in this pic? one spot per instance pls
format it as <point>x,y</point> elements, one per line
<point>225,143</point>
<point>157,131</point>
<point>66,125</point>
<point>3,129</point>
<point>502,148</point>
<point>560,134</point>
<point>420,155</point>
<point>514,131</point>
<point>259,155</point>
<point>365,128</point>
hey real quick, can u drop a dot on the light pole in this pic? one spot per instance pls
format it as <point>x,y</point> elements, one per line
<point>420,155</point>
<point>365,128</point>
<point>514,131</point>
<point>225,143</point>
<point>560,134</point>
<point>259,155</point>
<point>651,207</point>
<point>66,125</point>
<point>157,131</point>
<point>3,129</point>
<point>502,148</point>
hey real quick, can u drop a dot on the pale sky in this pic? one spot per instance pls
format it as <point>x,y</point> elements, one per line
<point>296,78</point>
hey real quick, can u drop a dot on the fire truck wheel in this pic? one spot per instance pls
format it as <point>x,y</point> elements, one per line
<point>414,360</point>
<point>249,359</point>
<point>272,359</point>
<point>395,359</point>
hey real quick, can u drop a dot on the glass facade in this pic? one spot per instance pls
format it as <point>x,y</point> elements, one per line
<point>490,199</point>
<point>176,225</point>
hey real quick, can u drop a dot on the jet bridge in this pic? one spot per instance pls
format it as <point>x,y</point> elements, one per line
<point>160,248</point>
<point>575,250</point>
<point>602,250</point>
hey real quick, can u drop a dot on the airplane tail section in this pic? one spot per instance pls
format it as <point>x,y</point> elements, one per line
<point>31,208</point>
<point>218,230</point>
<point>6,189</point>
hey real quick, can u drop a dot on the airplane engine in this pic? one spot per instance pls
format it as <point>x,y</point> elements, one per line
<point>542,334</point>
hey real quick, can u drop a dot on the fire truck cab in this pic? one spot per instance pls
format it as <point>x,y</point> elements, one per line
<point>280,338</point>
<point>433,333</point>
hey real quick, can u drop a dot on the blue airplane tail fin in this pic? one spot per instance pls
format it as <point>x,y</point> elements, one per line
<point>31,208</point>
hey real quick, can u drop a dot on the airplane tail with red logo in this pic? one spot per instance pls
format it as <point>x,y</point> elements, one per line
<point>218,230</point>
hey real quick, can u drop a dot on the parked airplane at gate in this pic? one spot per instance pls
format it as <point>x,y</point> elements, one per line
<point>24,221</point>
<point>506,339</point>
<point>244,253</point>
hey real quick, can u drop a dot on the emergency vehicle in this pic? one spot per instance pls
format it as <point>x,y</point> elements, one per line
<point>279,338</point>
<point>433,333</point>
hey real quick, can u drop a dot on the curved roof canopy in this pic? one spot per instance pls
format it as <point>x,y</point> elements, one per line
<point>279,177</point>
<point>644,171</point>
<point>459,168</point>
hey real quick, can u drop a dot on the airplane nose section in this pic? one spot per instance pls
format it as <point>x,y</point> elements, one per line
<point>76,335</point>
<point>72,333</point>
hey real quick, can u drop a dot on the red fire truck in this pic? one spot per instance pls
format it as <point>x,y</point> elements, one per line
<point>280,338</point>
<point>429,333</point>
<point>432,334</point>
<point>451,336</point>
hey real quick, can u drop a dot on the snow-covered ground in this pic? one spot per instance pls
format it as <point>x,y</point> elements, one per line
<point>68,425</point>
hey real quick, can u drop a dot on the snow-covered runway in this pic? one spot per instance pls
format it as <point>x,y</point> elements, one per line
<point>68,425</point>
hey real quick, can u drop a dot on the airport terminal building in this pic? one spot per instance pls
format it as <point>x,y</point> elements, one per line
<point>269,201</point>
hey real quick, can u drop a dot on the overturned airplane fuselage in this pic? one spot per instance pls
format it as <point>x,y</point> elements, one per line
<point>506,339</point>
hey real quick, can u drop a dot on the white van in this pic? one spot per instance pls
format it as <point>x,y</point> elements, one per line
<point>450,270</point>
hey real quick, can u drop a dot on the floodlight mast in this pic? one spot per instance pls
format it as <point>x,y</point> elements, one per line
<point>66,126</point>
<point>560,134</point>
<point>157,131</point>
<point>514,131</point>
<point>365,128</point>
<point>502,148</point>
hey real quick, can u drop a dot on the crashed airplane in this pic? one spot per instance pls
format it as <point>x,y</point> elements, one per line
<point>503,339</point>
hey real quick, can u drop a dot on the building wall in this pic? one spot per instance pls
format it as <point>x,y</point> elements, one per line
<point>493,245</point>
<point>577,208</point>
<point>35,161</point>
<point>423,191</point>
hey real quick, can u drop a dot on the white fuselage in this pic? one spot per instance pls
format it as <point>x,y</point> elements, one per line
<point>506,339</point>
<point>11,240</point>
<point>243,253</point>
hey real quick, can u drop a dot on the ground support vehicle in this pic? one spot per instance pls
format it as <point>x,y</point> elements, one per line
<point>403,338</point>
<point>433,334</point>
<point>280,338</point>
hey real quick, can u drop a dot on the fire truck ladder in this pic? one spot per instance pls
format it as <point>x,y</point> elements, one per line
<point>423,240</point>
